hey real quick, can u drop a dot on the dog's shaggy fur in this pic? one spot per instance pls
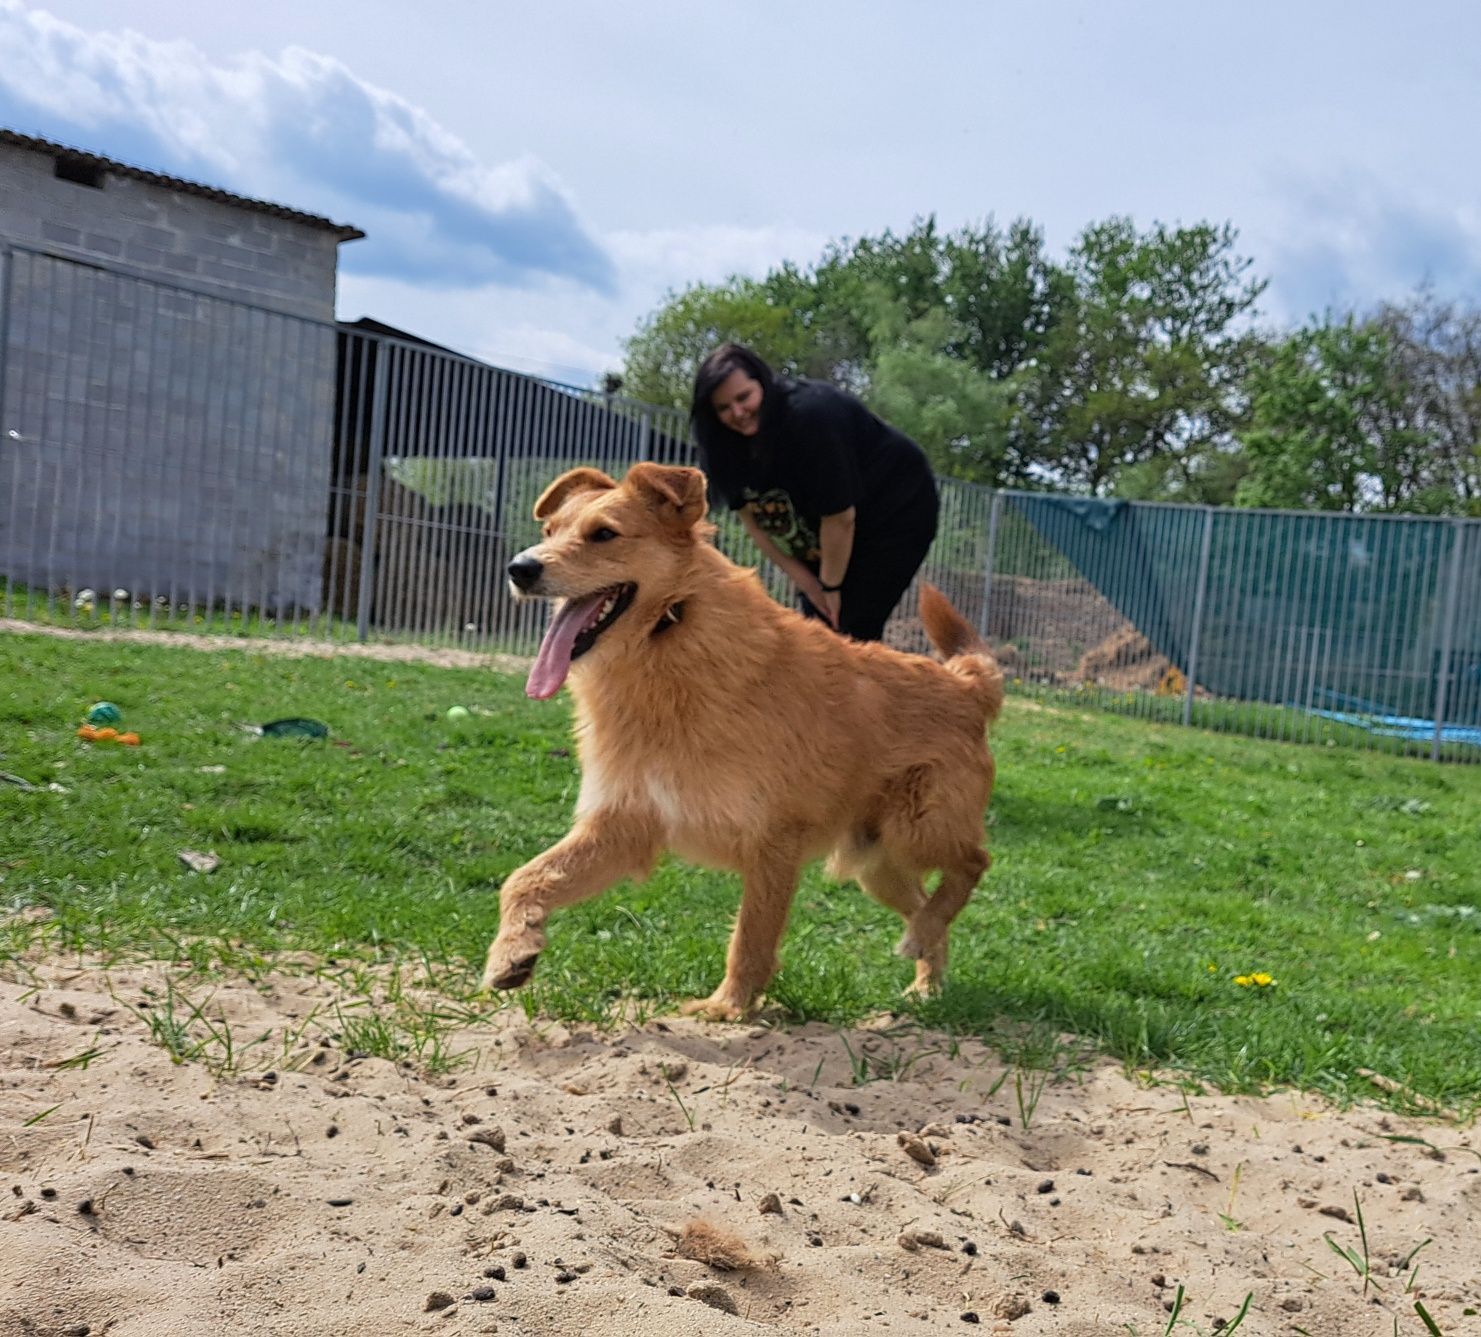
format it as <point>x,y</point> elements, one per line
<point>714,722</point>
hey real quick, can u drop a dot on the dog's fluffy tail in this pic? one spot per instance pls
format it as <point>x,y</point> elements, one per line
<point>965,652</point>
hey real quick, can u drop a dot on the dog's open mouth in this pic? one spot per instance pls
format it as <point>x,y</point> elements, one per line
<point>573,630</point>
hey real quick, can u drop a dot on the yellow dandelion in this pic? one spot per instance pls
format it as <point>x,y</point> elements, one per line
<point>1262,980</point>
<point>1243,981</point>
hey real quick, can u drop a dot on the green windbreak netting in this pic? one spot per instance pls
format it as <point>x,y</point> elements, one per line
<point>1338,614</point>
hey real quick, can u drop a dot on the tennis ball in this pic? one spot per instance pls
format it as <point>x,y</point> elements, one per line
<point>457,712</point>
<point>105,712</point>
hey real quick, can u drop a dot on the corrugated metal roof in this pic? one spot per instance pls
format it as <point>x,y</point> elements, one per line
<point>342,230</point>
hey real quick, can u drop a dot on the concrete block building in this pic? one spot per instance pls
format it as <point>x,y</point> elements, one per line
<point>167,374</point>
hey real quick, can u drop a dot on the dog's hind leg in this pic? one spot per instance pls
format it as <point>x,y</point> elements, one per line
<point>600,850</point>
<point>901,891</point>
<point>927,929</point>
<point>770,882</point>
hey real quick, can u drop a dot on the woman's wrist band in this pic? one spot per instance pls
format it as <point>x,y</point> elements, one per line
<point>829,589</point>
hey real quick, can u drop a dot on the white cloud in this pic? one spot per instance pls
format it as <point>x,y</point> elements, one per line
<point>559,329</point>
<point>302,129</point>
<point>1347,241</point>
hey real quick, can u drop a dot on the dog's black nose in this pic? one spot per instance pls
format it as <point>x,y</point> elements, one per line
<point>525,570</point>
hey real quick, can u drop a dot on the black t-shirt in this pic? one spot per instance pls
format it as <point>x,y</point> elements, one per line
<point>820,451</point>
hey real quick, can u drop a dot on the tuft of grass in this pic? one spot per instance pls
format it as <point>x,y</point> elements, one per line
<point>1344,878</point>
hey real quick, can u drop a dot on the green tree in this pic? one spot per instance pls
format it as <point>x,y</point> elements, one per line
<point>1007,367</point>
<point>1147,359</point>
<point>1437,348</point>
<point>958,413</point>
<point>665,352</point>
<point>1330,424</point>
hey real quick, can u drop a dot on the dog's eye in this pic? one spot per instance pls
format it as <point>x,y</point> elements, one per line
<point>602,535</point>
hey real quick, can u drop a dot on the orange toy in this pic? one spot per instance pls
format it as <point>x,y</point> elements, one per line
<point>89,734</point>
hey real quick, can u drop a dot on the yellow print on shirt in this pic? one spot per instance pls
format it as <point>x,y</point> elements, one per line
<point>780,522</point>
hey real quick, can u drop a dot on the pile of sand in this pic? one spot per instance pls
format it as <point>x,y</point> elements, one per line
<point>846,1182</point>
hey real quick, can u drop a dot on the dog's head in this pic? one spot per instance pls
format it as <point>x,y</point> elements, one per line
<point>612,553</point>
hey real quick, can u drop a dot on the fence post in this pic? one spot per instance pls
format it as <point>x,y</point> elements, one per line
<point>1447,633</point>
<point>994,511</point>
<point>1200,594</point>
<point>7,264</point>
<point>383,353</point>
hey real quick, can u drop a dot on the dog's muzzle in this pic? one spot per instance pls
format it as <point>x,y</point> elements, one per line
<point>525,572</point>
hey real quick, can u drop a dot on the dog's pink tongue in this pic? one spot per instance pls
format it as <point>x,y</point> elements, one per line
<point>553,662</point>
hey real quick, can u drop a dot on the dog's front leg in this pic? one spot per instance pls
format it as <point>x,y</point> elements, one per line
<point>770,882</point>
<point>601,849</point>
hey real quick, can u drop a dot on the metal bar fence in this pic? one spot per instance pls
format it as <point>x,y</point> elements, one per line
<point>177,460</point>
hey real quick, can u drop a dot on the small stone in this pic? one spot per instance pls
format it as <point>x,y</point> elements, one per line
<point>971,1317</point>
<point>1050,1297</point>
<point>438,1300</point>
<point>614,1126</point>
<point>489,1137</point>
<point>1010,1305</point>
<point>563,1277</point>
<point>912,1240</point>
<point>483,1294</point>
<point>1046,1186</point>
<point>917,1150</point>
<point>518,1259</point>
<point>770,1205</point>
<point>717,1297</point>
<point>494,1273</point>
<point>1337,1213</point>
<point>969,1249</point>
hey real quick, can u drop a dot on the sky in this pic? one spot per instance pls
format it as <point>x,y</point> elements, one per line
<point>533,179</point>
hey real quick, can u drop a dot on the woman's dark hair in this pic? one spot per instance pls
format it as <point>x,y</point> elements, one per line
<point>722,453</point>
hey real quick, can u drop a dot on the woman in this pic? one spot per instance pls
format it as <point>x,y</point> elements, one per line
<point>843,503</point>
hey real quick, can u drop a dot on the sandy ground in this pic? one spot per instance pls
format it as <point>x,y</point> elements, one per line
<point>542,1186</point>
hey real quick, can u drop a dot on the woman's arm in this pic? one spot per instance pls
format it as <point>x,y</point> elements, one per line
<point>794,570</point>
<point>836,539</point>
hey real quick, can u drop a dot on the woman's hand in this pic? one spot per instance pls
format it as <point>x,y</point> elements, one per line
<point>811,588</point>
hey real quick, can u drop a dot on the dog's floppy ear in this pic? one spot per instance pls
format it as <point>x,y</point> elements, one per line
<point>677,493</point>
<point>574,480</point>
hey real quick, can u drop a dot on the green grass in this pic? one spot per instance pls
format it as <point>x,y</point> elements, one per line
<point>1139,867</point>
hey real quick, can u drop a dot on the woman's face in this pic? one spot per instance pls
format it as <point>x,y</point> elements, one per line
<point>737,403</point>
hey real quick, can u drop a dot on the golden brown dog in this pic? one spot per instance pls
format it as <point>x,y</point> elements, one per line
<point>714,722</point>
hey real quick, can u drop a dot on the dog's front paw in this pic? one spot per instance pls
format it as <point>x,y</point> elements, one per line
<point>510,964</point>
<point>719,1006</point>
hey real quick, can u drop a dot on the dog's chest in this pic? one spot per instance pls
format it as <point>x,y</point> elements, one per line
<point>689,804</point>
